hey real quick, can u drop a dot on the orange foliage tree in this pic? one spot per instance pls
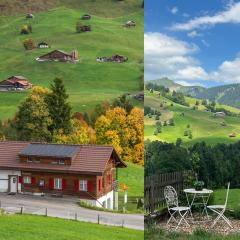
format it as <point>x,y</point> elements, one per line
<point>123,131</point>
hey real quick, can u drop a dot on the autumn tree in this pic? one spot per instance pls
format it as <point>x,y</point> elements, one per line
<point>124,131</point>
<point>33,118</point>
<point>59,108</point>
<point>80,133</point>
<point>29,44</point>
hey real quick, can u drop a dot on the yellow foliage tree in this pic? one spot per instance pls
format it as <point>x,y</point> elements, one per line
<point>123,131</point>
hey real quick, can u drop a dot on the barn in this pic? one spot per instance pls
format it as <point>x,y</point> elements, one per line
<point>59,56</point>
<point>86,171</point>
<point>15,83</point>
<point>43,45</point>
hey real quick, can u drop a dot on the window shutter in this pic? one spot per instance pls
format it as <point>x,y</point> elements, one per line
<point>51,183</point>
<point>33,180</point>
<point>100,184</point>
<point>20,179</point>
<point>76,185</point>
<point>89,186</point>
<point>64,184</point>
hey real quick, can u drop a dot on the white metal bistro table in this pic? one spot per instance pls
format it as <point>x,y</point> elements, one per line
<point>203,195</point>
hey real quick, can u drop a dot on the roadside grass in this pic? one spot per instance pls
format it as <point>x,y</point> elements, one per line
<point>88,82</point>
<point>133,177</point>
<point>25,227</point>
<point>203,125</point>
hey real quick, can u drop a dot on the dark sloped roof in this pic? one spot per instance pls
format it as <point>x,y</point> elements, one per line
<point>50,150</point>
<point>90,159</point>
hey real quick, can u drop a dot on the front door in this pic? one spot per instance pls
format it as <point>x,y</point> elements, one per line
<point>13,184</point>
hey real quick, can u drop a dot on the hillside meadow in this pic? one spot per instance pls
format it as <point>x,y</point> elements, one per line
<point>88,83</point>
<point>203,125</point>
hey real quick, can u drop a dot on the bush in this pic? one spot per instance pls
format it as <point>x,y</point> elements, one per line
<point>26,29</point>
<point>29,44</point>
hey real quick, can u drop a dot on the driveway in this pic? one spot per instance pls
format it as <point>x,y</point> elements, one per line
<point>67,208</point>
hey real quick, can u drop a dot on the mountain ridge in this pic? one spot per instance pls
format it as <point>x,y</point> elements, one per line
<point>228,94</point>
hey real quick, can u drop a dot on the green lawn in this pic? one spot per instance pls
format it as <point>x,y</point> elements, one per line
<point>203,125</point>
<point>26,227</point>
<point>233,200</point>
<point>157,234</point>
<point>133,177</point>
<point>88,82</point>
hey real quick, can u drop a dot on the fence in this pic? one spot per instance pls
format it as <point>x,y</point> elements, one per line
<point>154,188</point>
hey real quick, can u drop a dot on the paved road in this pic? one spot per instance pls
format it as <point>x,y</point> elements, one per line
<point>67,208</point>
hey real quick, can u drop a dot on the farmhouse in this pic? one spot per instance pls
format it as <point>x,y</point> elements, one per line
<point>130,24</point>
<point>115,58</point>
<point>15,83</point>
<point>219,114</point>
<point>86,171</point>
<point>29,16</point>
<point>86,17</point>
<point>59,56</point>
<point>232,135</point>
<point>43,45</point>
<point>139,96</point>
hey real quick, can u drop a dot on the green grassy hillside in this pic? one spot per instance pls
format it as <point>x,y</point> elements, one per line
<point>203,125</point>
<point>25,227</point>
<point>88,82</point>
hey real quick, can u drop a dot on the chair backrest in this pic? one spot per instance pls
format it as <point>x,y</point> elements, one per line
<point>171,197</point>
<point>226,201</point>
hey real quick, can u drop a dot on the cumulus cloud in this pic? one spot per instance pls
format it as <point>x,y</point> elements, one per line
<point>194,34</point>
<point>230,15</point>
<point>166,56</point>
<point>174,10</point>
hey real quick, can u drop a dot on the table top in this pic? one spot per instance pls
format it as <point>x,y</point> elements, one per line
<point>193,191</point>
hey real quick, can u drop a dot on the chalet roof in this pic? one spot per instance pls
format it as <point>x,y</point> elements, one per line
<point>65,53</point>
<point>42,43</point>
<point>91,159</point>
<point>18,77</point>
<point>50,150</point>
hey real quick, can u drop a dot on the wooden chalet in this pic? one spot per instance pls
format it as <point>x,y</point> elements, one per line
<point>130,24</point>
<point>59,56</point>
<point>43,45</point>
<point>15,83</point>
<point>115,58</point>
<point>29,16</point>
<point>86,17</point>
<point>86,171</point>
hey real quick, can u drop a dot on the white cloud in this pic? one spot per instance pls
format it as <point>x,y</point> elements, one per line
<point>189,84</point>
<point>174,10</point>
<point>194,34</point>
<point>205,43</point>
<point>230,15</point>
<point>166,56</point>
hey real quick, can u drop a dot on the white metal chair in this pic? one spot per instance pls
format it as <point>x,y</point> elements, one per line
<point>171,198</point>
<point>220,210</point>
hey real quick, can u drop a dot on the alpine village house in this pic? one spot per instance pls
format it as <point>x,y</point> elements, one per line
<point>15,83</point>
<point>59,56</point>
<point>86,171</point>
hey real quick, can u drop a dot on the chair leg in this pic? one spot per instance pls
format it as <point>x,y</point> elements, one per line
<point>171,217</point>
<point>182,219</point>
<point>221,215</point>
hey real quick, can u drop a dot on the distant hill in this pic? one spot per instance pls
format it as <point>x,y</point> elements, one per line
<point>104,8</point>
<point>226,94</point>
<point>191,123</point>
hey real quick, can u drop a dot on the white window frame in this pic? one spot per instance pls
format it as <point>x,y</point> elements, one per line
<point>83,185</point>
<point>58,183</point>
<point>27,180</point>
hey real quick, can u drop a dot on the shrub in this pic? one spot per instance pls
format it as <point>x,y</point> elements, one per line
<point>29,44</point>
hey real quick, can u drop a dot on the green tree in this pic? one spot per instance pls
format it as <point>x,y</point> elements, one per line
<point>59,108</point>
<point>123,102</point>
<point>33,118</point>
<point>178,142</point>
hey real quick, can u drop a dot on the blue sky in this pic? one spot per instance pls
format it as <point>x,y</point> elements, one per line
<point>193,42</point>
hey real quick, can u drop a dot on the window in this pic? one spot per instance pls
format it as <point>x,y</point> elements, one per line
<point>27,179</point>
<point>83,185</point>
<point>61,162</point>
<point>57,183</point>
<point>41,183</point>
